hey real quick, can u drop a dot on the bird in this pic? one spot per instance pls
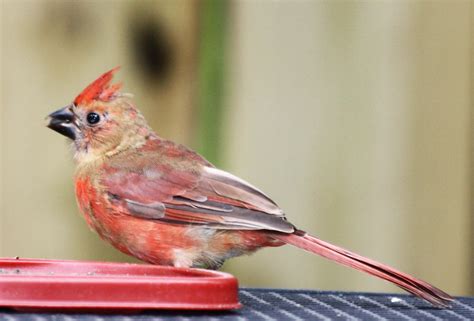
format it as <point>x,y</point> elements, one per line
<point>165,204</point>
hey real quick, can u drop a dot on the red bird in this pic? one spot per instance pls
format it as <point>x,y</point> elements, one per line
<point>165,204</point>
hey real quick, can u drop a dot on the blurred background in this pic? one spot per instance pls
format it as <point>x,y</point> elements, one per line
<point>355,116</point>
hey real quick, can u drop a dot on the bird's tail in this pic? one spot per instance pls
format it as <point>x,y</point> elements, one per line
<point>417,287</point>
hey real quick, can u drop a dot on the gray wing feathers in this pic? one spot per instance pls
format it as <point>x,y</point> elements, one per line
<point>228,185</point>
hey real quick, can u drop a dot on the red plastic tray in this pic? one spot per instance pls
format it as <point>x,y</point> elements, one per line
<point>31,284</point>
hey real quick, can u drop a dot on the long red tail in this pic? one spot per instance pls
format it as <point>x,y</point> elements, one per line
<point>417,287</point>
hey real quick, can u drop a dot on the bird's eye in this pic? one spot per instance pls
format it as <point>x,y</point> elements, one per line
<point>93,118</point>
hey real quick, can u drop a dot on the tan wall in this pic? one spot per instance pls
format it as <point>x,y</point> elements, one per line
<point>471,147</point>
<point>354,116</point>
<point>1,138</point>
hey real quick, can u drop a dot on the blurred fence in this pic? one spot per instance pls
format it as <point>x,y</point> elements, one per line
<point>354,116</point>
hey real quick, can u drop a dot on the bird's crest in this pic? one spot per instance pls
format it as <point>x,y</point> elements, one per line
<point>99,89</point>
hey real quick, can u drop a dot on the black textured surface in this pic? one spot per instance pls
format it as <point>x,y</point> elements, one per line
<point>269,304</point>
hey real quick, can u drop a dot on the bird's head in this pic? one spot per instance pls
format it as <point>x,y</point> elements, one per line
<point>101,120</point>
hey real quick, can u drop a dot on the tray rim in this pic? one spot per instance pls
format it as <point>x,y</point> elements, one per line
<point>200,278</point>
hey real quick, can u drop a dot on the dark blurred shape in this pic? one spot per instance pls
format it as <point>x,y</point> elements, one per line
<point>151,48</point>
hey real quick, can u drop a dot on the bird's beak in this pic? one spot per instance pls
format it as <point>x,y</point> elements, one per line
<point>63,121</point>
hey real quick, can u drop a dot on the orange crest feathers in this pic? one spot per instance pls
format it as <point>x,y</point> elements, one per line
<point>99,89</point>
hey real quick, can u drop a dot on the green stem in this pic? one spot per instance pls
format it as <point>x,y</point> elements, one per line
<point>211,77</point>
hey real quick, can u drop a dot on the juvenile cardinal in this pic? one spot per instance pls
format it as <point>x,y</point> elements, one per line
<point>165,204</point>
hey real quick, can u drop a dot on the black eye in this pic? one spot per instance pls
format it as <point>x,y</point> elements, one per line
<point>93,118</point>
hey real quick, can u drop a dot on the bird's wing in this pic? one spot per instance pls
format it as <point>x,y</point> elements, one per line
<point>183,189</point>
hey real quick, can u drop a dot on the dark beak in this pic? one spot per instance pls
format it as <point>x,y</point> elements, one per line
<point>63,121</point>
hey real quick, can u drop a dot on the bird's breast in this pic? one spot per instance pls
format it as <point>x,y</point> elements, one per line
<point>85,195</point>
